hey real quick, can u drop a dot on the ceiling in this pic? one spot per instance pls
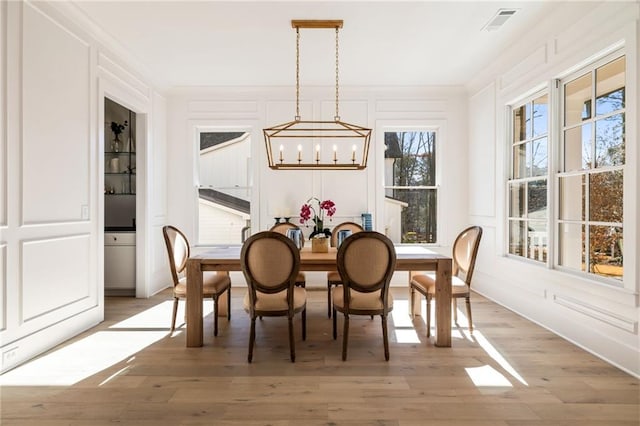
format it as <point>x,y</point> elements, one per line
<point>239,43</point>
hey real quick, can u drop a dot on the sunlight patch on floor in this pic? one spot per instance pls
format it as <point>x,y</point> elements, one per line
<point>159,316</point>
<point>497,356</point>
<point>82,359</point>
<point>403,326</point>
<point>487,376</point>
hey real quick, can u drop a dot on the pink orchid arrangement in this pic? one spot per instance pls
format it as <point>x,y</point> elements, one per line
<point>307,210</point>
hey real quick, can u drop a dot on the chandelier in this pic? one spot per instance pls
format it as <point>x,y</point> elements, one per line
<point>319,145</point>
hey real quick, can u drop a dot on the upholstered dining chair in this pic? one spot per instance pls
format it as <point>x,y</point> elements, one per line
<point>270,263</point>
<point>213,283</point>
<point>465,251</point>
<point>282,228</point>
<point>366,262</point>
<point>333,277</point>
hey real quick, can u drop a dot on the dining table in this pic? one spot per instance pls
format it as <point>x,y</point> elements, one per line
<point>408,258</point>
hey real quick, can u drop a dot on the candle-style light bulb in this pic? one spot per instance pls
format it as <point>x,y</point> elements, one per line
<point>353,153</point>
<point>299,153</point>
<point>317,153</point>
<point>335,153</point>
<point>281,153</point>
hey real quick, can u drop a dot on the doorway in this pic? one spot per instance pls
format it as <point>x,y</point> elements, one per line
<point>119,200</point>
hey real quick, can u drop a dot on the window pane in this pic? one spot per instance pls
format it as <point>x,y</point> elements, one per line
<point>537,199</point>
<point>605,197</point>
<point>610,87</point>
<point>522,123</point>
<point>537,240</point>
<point>516,205</point>
<point>577,100</point>
<point>605,251</point>
<point>225,191</point>
<point>410,158</point>
<point>577,148</point>
<point>520,160</point>
<point>610,141</point>
<point>517,237</point>
<point>572,237</point>
<point>540,114</point>
<point>414,217</point>
<point>572,197</point>
<point>539,158</point>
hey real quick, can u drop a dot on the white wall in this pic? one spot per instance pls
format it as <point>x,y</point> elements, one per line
<point>599,317</point>
<point>53,79</point>
<point>354,192</point>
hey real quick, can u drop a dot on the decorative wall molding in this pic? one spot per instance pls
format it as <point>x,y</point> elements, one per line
<point>3,286</point>
<point>226,107</point>
<point>597,313</point>
<point>54,273</point>
<point>53,139</point>
<point>537,58</point>
<point>3,115</point>
<point>411,106</point>
<point>109,66</point>
<point>481,152</point>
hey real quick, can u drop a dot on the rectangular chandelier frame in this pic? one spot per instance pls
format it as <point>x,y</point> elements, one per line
<point>339,131</point>
<point>317,133</point>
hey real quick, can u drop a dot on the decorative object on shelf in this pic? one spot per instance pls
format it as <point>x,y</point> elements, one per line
<point>117,128</point>
<point>327,207</point>
<point>114,165</point>
<point>288,140</point>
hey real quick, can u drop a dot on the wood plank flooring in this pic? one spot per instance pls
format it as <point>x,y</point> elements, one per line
<point>129,370</point>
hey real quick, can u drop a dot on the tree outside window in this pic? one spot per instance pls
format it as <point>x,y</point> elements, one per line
<point>527,186</point>
<point>590,221</point>
<point>410,186</point>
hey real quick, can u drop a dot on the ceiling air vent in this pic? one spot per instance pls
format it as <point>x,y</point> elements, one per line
<point>499,19</point>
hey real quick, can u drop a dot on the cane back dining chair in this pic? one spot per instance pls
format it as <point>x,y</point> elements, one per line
<point>213,283</point>
<point>366,262</point>
<point>465,251</point>
<point>333,277</point>
<point>282,228</point>
<point>270,263</point>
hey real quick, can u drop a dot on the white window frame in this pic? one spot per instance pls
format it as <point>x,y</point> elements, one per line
<point>510,178</point>
<point>559,166</point>
<point>426,127</point>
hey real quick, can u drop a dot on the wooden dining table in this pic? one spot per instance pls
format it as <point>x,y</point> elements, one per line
<point>408,258</point>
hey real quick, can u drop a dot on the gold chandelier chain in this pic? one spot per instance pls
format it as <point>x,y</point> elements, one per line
<point>337,117</point>
<point>297,74</point>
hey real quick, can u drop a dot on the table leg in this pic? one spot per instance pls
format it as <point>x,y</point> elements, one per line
<point>443,303</point>
<point>194,303</point>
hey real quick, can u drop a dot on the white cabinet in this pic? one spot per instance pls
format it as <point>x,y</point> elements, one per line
<point>120,263</point>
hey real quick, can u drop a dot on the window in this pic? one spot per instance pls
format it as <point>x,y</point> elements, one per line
<point>590,181</point>
<point>527,186</point>
<point>410,186</point>
<point>224,190</point>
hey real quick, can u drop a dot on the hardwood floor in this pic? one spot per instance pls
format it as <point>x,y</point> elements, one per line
<point>129,370</point>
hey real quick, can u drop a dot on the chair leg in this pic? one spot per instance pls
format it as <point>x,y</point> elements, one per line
<point>328,299</point>
<point>175,312</point>
<point>229,304</point>
<point>385,337</point>
<point>428,316</point>
<point>215,315</point>
<point>335,333</point>
<point>252,338</point>
<point>468,301</point>
<point>345,338</point>
<point>304,324</point>
<point>454,308</point>
<point>292,348</point>
<point>412,299</point>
